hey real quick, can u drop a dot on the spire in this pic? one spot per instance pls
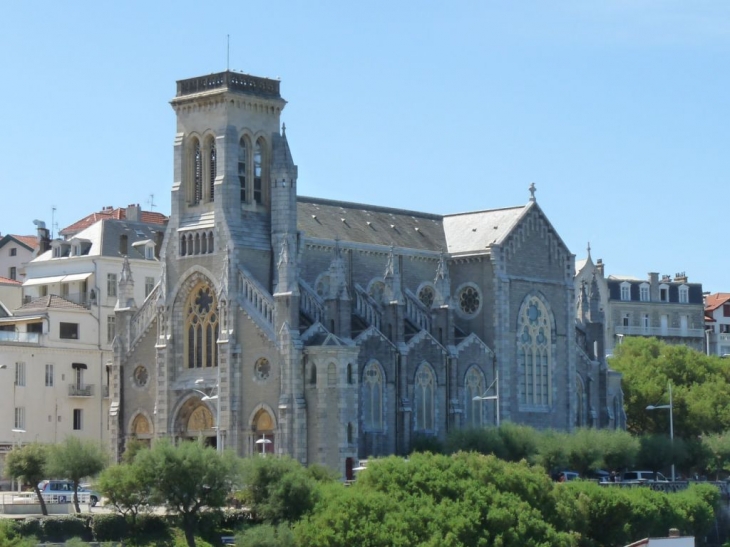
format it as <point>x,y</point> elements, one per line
<point>338,275</point>
<point>125,291</point>
<point>589,250</point>
<point>582,311</point>
<point>392,278</point>
<point>595,314</point>
<point>442,283</point>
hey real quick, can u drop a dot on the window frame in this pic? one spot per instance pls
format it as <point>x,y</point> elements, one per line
<point>49,377</point>
<point>20,376</point>
<point>625,291</point>
<point>111,285</point>
<point>78,419</point>
<point>64,325</point>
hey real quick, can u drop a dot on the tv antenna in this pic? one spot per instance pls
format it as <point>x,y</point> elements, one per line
<point>151,202</point>
<point>54,224</point>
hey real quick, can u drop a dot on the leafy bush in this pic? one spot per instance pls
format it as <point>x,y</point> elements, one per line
<point>10,535</point>
<point>266,535</point>
<point>110,527</point>
<point>426,443</point>
<point>60,529</point>
<point>29,527</point>
<point>151,528</point>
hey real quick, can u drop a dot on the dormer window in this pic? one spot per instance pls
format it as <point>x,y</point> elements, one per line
<point>146,248</point>
<point>625,291</point>
<point>683,294</point>
<point>644,292</point>
<point>664,292</point>
<point>60,248</point>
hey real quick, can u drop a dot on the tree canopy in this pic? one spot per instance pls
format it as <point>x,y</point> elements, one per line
<point>28,464</point>
<point>700,388</point>
<point>75,459</point>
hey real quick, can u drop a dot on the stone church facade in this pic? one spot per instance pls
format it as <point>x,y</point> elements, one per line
<point>333,331</point>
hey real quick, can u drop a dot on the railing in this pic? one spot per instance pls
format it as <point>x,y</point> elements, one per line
<point>310,302</point>
<point>256,300</point>
<point>366,307</point>
<point>81,390</point>
<point>20,337</point>
<point>417,312</point>
<point>231,80</point>
<point>144,316</point>
<point>659,331</point>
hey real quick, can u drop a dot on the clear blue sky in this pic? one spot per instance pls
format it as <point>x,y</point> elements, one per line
<point>618,111</point>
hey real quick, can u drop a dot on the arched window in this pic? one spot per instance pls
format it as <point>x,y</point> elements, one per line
<point>474,386</point>
<point>258,172</point>
<point>349,374</point>
<point>350,433</point>
<point>313,375</point>
<point>331,375</point>
<point>372,397</point>
<point>183,245</point>
<point>197,173</point>
<point>212,168</point>
<point>534,350</point>
<point>425,386</point>
<point>201,324</point>
<point>242,166</point>
<point>580,420</point>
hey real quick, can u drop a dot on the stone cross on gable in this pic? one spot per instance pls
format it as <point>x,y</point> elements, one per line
<point>532,191</point>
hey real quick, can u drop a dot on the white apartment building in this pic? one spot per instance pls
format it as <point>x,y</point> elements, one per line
<point>717,323</point>
<point>15,253</point>
<point>56,348</point>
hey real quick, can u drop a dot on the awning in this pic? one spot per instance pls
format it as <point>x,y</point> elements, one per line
<point>78,365</point>
<point>21,319</point>
<point>43,280</point>
<point>76,277</point>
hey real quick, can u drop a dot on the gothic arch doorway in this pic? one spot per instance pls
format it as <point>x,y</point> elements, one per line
<point>141,429</point>
<point>263,438</point>
<point>195,420</point>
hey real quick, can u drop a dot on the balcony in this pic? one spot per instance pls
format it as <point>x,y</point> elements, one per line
<point>81,390</point>
<point>659,332</point>
<point>20,337</point>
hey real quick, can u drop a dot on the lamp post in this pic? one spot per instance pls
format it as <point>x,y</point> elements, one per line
<point>495,397</point>
<point>208,397</point>
<point>263,441</point>
<point>670,406</point>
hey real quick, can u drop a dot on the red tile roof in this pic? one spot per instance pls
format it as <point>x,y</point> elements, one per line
<point>30,241</point>
<point>9,281</point>
<point>49,301</point>
<point>714,301</point>
<point>120,213</point>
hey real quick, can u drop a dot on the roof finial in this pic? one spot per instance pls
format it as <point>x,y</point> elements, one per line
<point>283,130</point>
<point>589,249</point>
<point>532,191</point>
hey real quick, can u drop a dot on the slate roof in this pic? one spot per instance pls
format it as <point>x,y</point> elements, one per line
<point>120,213</point>
<point>46,302</point>
<point>105,237</point>
<point>714,301</point>
<point>375,225</point>
<point>358,223</point>
<point>469,232</point>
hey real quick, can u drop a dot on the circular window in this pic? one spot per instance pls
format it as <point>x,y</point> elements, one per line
<point>470,300</point>
<point>426,295</point>
<point>322,285</point>
<point>141,376</point>
<point>262,369</point>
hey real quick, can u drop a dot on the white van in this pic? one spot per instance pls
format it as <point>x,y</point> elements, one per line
<point>62,491</point>
<point>643,476</point>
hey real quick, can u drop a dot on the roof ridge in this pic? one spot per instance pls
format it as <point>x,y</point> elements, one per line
<point>369,207</point>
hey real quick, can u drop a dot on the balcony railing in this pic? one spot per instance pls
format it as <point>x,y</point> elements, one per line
<point>81,390</point>
<point>20,337</point>
<point>659,331</point>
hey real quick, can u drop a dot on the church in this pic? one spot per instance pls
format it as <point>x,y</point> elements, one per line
<point>332,331</point>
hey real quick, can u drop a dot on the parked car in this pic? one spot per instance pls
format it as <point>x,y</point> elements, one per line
<point>62,491</point>
<point>643,476</point>
<point>564,476</point>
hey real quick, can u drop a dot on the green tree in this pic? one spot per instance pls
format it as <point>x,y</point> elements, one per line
<point>28,464</point>
<point>277,489</point>
<point>659,452</point>
<point>188,478</point>
<point>75,459</point>
<point>718,446</point>
<point>128,487</point>
<point>700,388</point>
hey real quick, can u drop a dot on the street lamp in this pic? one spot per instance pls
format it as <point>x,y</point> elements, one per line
<point>208,397</point>
<point>670,406</point>
<point>495,397</point>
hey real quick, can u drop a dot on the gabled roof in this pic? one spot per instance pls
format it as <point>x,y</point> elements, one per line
<point>469,232</point>
<point>51,301</point>
<point>358,223</point>
<point>6,281</point>
<point>120,213</point>
<point>29,242</point>
<point>714,301</point>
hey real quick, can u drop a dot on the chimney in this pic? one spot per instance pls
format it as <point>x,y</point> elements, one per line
<point>599,267</point>
<point>680,277</point>
<point>44,239</point>
<point>132,212</point>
